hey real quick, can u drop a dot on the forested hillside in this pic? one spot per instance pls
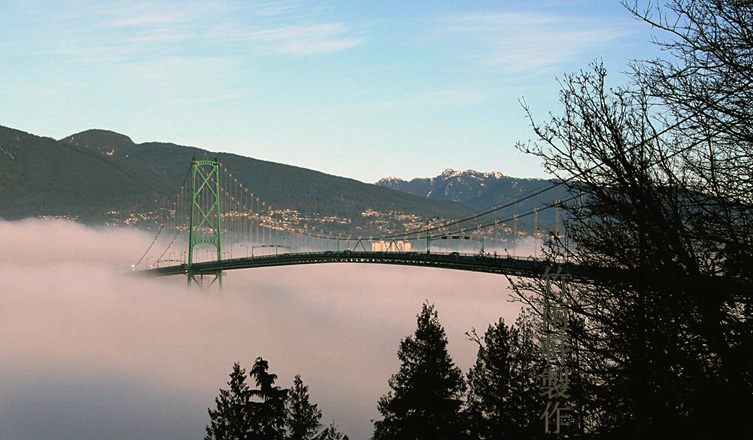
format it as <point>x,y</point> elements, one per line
<point>100,176</point>
<point>40,176</point>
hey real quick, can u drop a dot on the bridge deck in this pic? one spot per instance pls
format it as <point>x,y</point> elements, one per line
<point>470,262</point>
<point>511,266</point>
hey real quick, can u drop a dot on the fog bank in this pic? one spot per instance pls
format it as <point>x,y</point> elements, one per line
<point>90,351</point>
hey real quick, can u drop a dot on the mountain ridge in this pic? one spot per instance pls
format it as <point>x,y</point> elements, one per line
<point>102,177</point>
<point>39,175</point>
<point>284,185</point>
<point>481,190</point>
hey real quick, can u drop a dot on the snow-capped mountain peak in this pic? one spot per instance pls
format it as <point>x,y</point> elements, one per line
<point>477,189</point>
<point>451,184</point>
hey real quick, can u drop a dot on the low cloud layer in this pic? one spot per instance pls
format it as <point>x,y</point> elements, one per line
<point>90,351</point>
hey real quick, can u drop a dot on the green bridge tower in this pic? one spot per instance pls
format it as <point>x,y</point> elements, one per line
<point>205,223</point>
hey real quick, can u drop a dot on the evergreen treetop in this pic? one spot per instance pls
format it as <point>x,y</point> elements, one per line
<point>269,413</point>
<point>232,418</point>
<point>302,416</point>
<point>426,397</point>
<point>503,395</point>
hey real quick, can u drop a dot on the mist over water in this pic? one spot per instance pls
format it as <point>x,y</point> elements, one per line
<point>90,351</point>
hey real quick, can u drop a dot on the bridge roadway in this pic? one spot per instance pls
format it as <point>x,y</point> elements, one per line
<point>488,263</point>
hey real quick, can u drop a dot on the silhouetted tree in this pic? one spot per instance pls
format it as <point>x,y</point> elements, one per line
<point>706,83</point>
<point>705,86</point>
<point>268,414</point>
<point>301,416</point>
<point>425,401</point>
<point>503,396</point>
<point>331,432</point>
<point>664,324</point>
<point>232,418</point>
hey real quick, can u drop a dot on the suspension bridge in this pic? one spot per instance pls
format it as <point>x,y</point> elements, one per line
<point>216,224</point>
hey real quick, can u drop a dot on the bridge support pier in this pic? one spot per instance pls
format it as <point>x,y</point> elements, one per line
<point>205,280</point>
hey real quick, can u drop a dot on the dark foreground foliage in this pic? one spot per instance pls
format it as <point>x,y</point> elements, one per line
<point>664,222</point>
<point>267,412</point>
<point>426,397</point>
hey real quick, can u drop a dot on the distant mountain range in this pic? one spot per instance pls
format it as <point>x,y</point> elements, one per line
<point>102,177</point>
<point>481,190</point>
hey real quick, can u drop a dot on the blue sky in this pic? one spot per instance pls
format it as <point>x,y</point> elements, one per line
<point>362,89</point>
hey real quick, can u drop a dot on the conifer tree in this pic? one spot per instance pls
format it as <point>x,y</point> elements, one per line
<point>231,420</point>
<point>301,416</point>
<point>331,433</point>
<point>425,401</point>
<point>503,399</point>
<point>268,414</point>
